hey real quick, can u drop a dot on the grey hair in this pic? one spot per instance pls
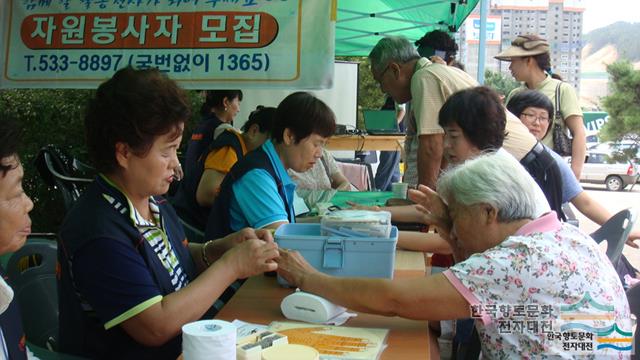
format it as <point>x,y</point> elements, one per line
<point>392,48</point>
<point>496,179</point>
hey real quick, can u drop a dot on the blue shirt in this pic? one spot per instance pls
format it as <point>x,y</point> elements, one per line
<point>570,185</point>
<point>255,201</point>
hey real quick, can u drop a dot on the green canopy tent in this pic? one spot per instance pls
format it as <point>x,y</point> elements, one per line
<point>361,23</point>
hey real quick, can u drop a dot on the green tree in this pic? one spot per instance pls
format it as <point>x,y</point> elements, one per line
<point>46,117</point>
<point>623,104</point>
<point>501,83</point>
<point>55,116</point>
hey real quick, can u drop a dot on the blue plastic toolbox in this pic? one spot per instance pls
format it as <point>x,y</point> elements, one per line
<point>339,255</point>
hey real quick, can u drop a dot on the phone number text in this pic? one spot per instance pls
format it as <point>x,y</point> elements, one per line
<point>174,63</point>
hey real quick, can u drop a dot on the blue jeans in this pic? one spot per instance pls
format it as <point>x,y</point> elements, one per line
<point>388,171</point>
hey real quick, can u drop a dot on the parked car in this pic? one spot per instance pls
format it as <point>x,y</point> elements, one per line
<point>611,146</point>
<point>603,168</point>
<point>592,138</point>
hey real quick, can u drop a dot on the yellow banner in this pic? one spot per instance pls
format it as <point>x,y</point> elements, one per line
<point>203,44</point>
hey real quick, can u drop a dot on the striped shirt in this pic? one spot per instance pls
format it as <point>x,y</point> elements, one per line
<point>155,234</point>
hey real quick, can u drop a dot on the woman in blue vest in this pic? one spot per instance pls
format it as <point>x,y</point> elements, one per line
<point>258,192</point>
<point>129,277</point>
<point>218,112</point>
<point>15,226</point>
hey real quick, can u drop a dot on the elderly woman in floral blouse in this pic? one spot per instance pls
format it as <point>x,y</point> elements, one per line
<point>506,256</point>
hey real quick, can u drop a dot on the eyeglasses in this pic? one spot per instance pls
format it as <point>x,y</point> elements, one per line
<point>532,118</point>
<point>381,76</point>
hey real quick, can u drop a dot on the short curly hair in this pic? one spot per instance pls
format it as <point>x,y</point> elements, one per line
<point>133,107</point>
<point>437,40</point>
<point>480,115</point>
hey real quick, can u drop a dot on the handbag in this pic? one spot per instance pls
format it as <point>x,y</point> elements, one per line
<point>562,143</point>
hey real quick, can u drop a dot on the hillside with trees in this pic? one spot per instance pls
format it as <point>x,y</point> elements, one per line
<point>603,47</point>
<point>620,36</point>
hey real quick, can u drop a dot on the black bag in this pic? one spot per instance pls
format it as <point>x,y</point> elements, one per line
<point>561,141</point>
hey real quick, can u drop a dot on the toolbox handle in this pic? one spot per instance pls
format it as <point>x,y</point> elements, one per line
<point>333,253</point>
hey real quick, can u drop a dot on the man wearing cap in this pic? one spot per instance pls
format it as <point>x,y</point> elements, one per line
<point>531,64</point>
<point>405,76</point>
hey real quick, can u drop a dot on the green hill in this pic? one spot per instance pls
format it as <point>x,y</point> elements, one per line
<point>622,35</point>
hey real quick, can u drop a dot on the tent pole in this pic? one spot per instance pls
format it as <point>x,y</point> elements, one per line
<point>482,43</point>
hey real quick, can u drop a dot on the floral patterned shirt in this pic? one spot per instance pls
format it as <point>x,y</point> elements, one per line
<point>541,291</point>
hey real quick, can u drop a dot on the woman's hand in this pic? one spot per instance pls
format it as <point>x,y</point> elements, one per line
<point>252,257</point>
<point>293,267</point>
<point>438,60</point>
<point>248,233</point>
<point>434,209</point>
<point>220,246</point>
<point>633,236</point>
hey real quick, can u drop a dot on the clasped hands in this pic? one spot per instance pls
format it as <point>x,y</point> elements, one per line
<point>252,252</point>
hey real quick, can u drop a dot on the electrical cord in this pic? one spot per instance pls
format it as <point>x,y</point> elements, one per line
<point>361,142</point>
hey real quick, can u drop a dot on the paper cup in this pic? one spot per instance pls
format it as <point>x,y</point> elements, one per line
<point>399,190</point>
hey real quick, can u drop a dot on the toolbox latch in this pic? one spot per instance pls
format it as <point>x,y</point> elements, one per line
<point>333,254</point>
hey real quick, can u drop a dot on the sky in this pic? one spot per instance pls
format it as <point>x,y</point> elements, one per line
<point>599,13</point>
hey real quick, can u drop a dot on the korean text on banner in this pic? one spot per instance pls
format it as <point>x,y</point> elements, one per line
<point>203,44</point>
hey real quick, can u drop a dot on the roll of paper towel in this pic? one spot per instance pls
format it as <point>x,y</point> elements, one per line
<point>209,339</point>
